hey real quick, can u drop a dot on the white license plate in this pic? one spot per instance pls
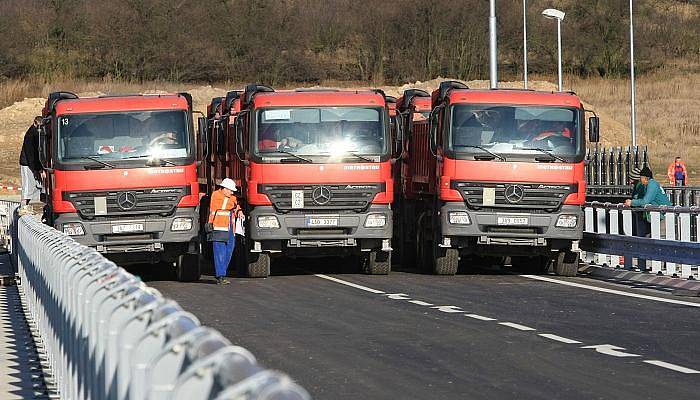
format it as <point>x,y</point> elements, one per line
<point>123,228</point>
<point>321,221</point>
<point>297,199</point>
<point>513,220</point>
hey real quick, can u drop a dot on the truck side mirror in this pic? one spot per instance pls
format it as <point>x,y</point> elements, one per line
<point>240,150</point>
<point>433,131</point>
<point>203,135</point>
<point>594,129</point>
<point>220,139</point>
<point>43,146</point>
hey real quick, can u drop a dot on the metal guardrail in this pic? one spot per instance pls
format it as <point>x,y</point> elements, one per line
<point>686,196</point>
<point>610,167</point>
<point>7,212</point>
<point>106,335</point>
<point>673,244</point>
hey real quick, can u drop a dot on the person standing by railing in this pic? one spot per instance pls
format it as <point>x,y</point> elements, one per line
<point>30,165</point>
<point>640,226</point>
<point>678,173</point>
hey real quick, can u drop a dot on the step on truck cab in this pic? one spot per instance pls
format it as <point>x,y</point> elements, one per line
<point>315,171</point>
<point>496,173</point>
<point>121,176</point>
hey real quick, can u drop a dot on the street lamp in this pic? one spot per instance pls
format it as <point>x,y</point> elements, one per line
<point>633,111</point>
<point>525,42</point>
<point>552,13</point>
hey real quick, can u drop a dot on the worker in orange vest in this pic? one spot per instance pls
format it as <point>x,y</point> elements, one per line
<point>223,212</point>
<point>677,173</point>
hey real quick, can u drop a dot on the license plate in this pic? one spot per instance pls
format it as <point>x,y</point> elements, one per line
<point>513,220</point>
<point>322,221</point>
<point>123,228</point>
<point>297,199</point>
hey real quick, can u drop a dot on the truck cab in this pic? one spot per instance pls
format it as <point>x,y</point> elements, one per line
<point>499,173</point>
<point>121,176</point>
<point>317,176</point>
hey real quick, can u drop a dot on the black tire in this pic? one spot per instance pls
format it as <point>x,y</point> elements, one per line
<point>566,263</point>
<point>446,261</point>
<point>187,268</point>
<point>377,262</point>
<point>258,265</point>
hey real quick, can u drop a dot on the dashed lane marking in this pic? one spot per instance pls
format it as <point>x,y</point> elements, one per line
<point>611,291</point>
<point>346,283</point>
<point>558,338</point>
<point>605,349</point>
<point>673,367</point>
<point>516,326</point>
<point>479,317</point>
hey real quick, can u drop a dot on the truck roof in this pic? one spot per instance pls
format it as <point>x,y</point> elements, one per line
<point>293,98</point>
<point>509,96</point>
<point>135,102</point>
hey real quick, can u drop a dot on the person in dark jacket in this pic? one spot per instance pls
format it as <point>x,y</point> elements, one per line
<point>30,164</point>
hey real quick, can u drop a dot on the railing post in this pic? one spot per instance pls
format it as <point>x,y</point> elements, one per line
<point>671,235</point>
<point>590,228</point>
<point>627,229</point>
<point>655,234</point>
<point>614,230</point>
<point>601,259</point>
<point>684,221</point>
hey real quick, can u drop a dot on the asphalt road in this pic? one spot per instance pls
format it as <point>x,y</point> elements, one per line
<point>483,335</point>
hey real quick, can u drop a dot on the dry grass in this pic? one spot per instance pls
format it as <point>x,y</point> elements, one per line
<point>668,120</point>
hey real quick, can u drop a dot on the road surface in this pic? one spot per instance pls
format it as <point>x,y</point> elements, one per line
<point>482,335</point>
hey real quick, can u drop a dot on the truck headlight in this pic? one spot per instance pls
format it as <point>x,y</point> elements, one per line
<point>73,229</point>
<point>459,218</point>
<point>375,221</point>
<point>181,224</point>
<point>268,221</point>
<point>567,221</point>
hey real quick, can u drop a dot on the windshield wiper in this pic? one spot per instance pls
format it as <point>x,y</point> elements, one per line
<point>161,161</point>
<point>361,157</point>
<point>547,152</point>
<point>495,155</point>
<point>306,160</point>
<point>95,159</point>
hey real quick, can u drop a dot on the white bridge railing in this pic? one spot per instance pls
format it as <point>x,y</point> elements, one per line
<point>672,245</point>
<point>103,334</point>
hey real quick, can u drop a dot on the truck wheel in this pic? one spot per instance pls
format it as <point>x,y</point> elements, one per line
<point>187,267</point>
<point>377,263</point>
<point>446,261</point>
<point>258,265</point>
<point>566,263</point>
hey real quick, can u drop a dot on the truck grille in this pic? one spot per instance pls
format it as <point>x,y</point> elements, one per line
<point>515,196</point>
<point>157,201</point>
<point>352,196</point>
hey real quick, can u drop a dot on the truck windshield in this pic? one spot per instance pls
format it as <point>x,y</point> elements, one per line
<point>123,135</point>
<point>333,133</point>
<point>517,131</point>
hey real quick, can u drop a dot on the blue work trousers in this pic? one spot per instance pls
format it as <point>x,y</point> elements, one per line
<point>222,254</point>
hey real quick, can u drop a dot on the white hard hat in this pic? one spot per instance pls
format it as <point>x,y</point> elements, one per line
<point>228,183</point>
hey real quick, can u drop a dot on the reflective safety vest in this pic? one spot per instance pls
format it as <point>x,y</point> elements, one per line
<point>221,208</point>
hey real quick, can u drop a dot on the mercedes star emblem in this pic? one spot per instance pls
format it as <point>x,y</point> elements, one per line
<point>514,193</point>
<point>126,200</point>
<point>321,195</point>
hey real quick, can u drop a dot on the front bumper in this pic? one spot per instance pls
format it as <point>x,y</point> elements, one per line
<point>294,232</point>
<point>156,235</point>
<point>540,230</point>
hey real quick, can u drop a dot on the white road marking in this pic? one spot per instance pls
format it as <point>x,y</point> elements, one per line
<point>610,350</point>
<point>611,291</point>
<point>398,296</point>
<point>449,309</point>
<point>346,283</point>
<point>558,338</point>
<point>673,367</point>
<point>516,326</point>
<point>479,317</point>
<point>420,303</point>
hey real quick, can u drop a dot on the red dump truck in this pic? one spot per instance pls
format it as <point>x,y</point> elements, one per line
<point>121,176</point>
<point>493,173</point>
<point>315,171</point>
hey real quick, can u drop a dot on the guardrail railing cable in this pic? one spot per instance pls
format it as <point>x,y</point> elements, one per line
<point>672,245</point>
<point>106,335</point>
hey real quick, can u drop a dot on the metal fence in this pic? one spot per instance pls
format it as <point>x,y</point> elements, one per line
<point>607,170</point>
<point>106,335</point>
<point>673,244</point>
<point>7,212</point>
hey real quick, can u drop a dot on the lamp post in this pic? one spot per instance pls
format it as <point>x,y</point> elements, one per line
<point>633,111</point>
<point>525,42</point>
<point>492,45</point>
<point>552,13</point>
